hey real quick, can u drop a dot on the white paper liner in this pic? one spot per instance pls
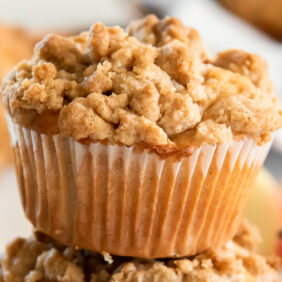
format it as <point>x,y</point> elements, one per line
<point>126,202</point>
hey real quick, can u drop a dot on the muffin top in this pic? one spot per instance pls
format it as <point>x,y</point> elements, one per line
<point>43,259</point>
<point>154,84</point>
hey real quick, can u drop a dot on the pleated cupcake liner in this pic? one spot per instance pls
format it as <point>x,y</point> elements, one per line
<point>131,202</point>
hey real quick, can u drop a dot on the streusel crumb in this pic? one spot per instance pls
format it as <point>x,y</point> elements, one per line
<point>154,84</point>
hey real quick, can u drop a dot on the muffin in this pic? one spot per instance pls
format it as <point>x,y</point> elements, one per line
<point>15,46</point>
<point>266,15</point>
<point>42,259</point>
<point>138,143</point>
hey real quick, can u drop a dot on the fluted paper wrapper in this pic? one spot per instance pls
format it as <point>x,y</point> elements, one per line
<point>132,202</point>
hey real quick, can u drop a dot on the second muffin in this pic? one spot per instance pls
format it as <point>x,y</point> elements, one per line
<point>138,143</point>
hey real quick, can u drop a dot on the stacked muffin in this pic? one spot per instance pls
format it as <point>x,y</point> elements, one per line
<point>138,143</point>
<point>42,259</point>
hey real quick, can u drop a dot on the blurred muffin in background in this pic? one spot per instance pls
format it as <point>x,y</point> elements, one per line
<point>15,45</point>
<point>265,14</point>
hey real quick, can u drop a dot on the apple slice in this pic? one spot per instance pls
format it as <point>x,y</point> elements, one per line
<point>265,210</point>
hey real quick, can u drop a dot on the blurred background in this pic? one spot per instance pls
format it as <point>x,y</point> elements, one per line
<point>252,25</point>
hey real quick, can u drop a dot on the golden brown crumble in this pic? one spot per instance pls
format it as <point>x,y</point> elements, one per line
<point>154,85</point>
<point>43,259</point>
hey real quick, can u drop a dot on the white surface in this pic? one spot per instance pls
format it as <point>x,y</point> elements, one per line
<point>12,220</point>
<point>62,14</point>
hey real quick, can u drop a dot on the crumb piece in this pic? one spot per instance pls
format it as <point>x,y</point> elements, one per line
<point>86,123</point>
<point>134,128</point>
<point>107,257</point>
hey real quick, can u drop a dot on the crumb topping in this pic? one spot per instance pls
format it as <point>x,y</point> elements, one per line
<point>148,85</point>
<point>43,259</point>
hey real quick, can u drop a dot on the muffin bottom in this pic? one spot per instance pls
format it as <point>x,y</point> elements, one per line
<point>130,201</point>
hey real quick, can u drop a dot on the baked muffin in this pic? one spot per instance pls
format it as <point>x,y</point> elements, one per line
<point>42,259</point>
<point>265,14</point>
<point>15,45</point>
<point>138,143</point>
